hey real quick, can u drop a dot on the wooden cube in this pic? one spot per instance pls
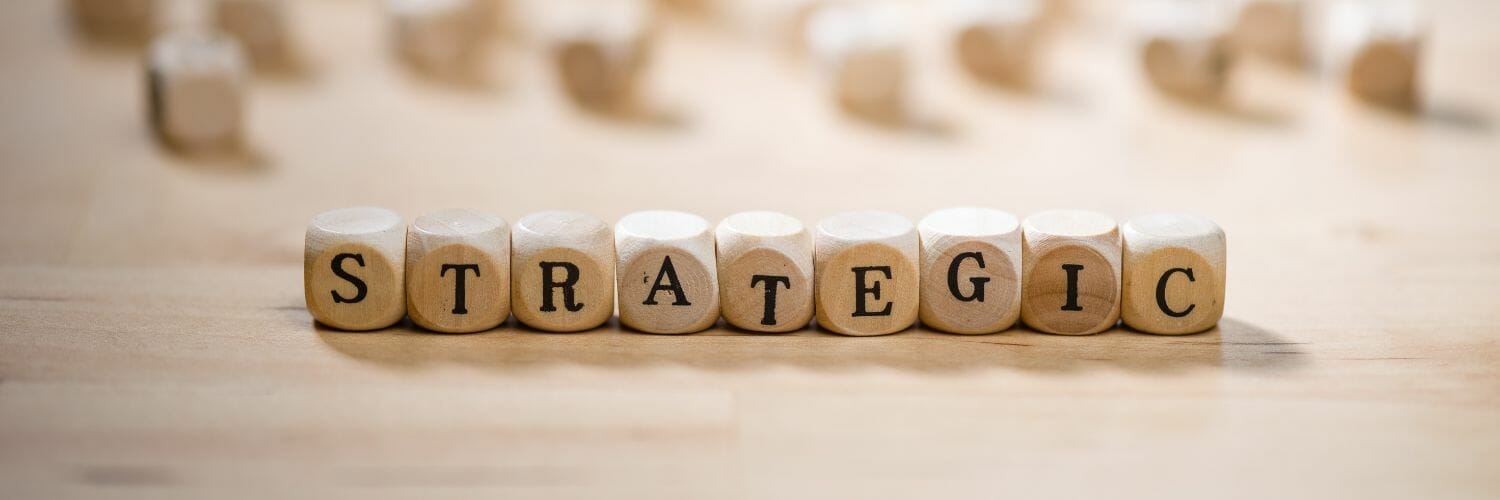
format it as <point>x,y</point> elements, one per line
<point>867,277</point>
<point>132,21</point>
<point>1378,46</point>
<point>563,271</point>
<point>862,52</point>
<point>442,37</point>
<point>601,54</point>
<point>1186,51</point>
<point>196,87</point>
<point>1174,274</point>
<point>458,271</point>
<point>1273,29</point>
<point>1070,272</point>
<point>996,39</point>
<point>668,279</point>
<point>971,270</point>
<point>260,26</point>
<point>353,272</point>
<point>765,271</point>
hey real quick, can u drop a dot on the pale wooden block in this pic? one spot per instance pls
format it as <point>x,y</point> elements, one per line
<point>116,20</point>
<point>862,51</point>
<point>196,89</point>
<point>353,268</point>
<point>1070,272</point>
<point>765,271</point>
<point>563,271</point>
<point>260,26</point>
<point>971,270</point>
<point>458,271</point>
<point>601,53</point>
<point>996,40</point>
<point>439,36</point>
<point>668,279</point>
<point>867,274</point>
<point>1378,46</point>
<point>1174,269</point>
<point>1186,52</point>
<point>1274,29</point>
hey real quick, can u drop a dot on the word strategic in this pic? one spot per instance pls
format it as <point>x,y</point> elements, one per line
<point>959,270</point>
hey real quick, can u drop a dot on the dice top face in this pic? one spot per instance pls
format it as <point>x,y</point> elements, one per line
<point>458,271</point>
<point>1071,272</point>
<point>563,271</point>
<point>353,268</point>
<point>667,276</point>
<point>196,88</point>
<point>765,264</point>
<point>971,272</point>
<point>867,274</point>
<point>1174,270</point>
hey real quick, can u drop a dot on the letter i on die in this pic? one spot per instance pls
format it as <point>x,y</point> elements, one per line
<point>1174,274</point>
<point>668,280</point>
<point>1070,272</point>
<point>866,273</point>
<point>353,268</point>
<point>765,271</point>
<point>563,271</point>
<point>458,271</point>
<point>971,270</point>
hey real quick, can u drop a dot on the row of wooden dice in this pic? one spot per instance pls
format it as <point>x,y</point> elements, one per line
<point>960,270</point>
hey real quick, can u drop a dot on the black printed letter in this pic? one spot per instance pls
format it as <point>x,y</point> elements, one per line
<point>359,284</point>
<point>769,317</point>
<point>1072,270</point>
<point>570,271</point>
<point>670,273</point>
<point>458,283</point>
<point>860,290</point>
<point>978,282</point>
<point>1161,292</point>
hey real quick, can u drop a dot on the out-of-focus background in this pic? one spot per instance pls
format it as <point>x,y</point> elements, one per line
<point>155,341</point>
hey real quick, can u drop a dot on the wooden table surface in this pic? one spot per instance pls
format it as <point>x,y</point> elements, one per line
<point>154,342</point>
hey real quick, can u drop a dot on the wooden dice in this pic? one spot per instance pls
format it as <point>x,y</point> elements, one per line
<point>196,90</point>
<point>765,272</point>
<point>866,273</point>
<point>458,271</point>
<point>995,39</point>
<point>1186,51</point>
<point>352,268</point>
<point>601,55</point>
<point>667,276</point>
<point>562,271</point>
<point>1070,272</point>
<point>260,26</point>
<point>971,270</point>
<point>1173,274</point>
<point>1378,46</point>
<point>440,37</point>
<point>127,21</point>
<point>1273,29</point>
<point>860,48</point>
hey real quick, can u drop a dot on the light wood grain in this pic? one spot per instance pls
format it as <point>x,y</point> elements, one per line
<point>353,268</point>
<point>154,342</point>
<point>1173,272</point>
<point>1070,272</point>
<point>666,276</point>
<point>971,270</point>
<point>563,271</point>
<point>765,271</point>
<point>866,272</point>
<point>458,271</point>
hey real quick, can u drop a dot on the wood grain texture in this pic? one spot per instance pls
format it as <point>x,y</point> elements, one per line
<point>1173,269</point>
<point>666,276</point>
<point>866,272</point>
<point>971,270</point>
<point>1070,272</point>
<point>154,342</point>
<point>353,268</point>
<point>562,271</point>
<point>458,271</point>
<point>765,272</point>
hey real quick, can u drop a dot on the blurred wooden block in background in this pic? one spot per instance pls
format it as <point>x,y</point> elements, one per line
<point>971,270</point>
<point>1174,268</point>
<point>867,276</point>
<point>1377,46</point>
<point>261,26</point>
<point>668,278</point>
<point>997,40</point>
<point>196,89</point>
<point>1185,51</point>
<point>117,21</point>
<point>441,37</point>
<point>601,53</point>
<point>353,268</point>
<point>1273,29</point>
<point>1070,272</point>
<point>563,271</point>
<point>861,50</point>
<point>765,271</point>
<point>458,271</point>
